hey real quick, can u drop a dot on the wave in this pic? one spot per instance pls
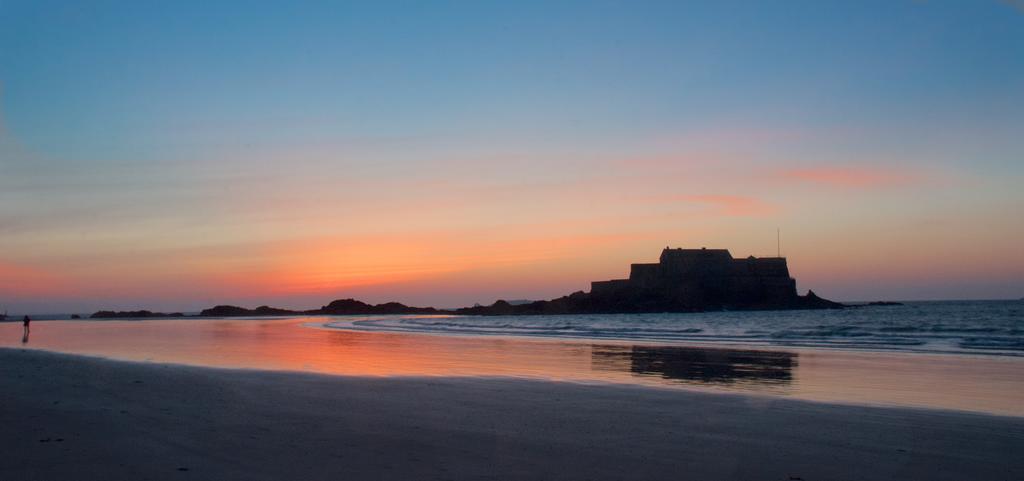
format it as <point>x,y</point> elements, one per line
<point>941,329</point>
<point>993,343</point>
<point>964,327</point>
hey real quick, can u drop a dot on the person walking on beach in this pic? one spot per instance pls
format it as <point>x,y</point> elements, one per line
<point>25,322</point>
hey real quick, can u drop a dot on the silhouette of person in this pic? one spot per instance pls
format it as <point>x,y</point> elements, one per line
<point>25,322</point>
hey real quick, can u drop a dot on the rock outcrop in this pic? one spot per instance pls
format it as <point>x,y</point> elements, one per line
<point>339,307</point>
<point>235,311</point>
<point>684,280</point>
<point>352,306</point>
<point>132,314</point>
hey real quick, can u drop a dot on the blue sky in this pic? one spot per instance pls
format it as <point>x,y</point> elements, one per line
<point>159,75</point>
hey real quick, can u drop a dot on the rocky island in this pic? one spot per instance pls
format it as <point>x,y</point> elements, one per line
<point>683,280</point>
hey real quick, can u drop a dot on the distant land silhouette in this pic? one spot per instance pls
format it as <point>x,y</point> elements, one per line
<point>338,307</point>
<point>683,280</point>
<point>132,314</point>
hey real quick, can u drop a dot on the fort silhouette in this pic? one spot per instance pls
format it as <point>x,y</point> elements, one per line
<point>683,280</point>
<point>707,277</point>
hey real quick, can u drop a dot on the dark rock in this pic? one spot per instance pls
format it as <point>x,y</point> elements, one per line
<point>877,304</point>
<point>235,311</point>
<point>812,301</point>
<point>224,311</point>
<point>344,306</point>
<point>272,311</point>
<point>132,314</point>
<point>352,306</point>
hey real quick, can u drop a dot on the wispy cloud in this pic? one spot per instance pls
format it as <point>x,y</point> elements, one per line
<point>850,177</point>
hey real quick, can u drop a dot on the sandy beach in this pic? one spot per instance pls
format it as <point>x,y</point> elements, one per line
<point>76,417</point>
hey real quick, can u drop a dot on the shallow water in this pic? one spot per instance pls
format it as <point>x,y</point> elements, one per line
<point>961,327</point>
<point>989,384</point>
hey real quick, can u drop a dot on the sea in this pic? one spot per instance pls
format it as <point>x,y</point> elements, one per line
<point>948,327</point>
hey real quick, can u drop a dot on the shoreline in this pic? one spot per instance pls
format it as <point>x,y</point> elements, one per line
<point>118,419</point>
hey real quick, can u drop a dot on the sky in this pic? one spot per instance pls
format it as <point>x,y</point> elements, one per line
<point>177,155</point>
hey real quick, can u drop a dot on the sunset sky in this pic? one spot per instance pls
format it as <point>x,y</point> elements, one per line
<point>176,155</point>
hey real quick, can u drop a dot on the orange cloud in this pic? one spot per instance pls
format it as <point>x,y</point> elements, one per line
<point>849,177</point>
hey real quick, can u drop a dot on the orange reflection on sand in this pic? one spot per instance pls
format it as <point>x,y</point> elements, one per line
<point>288,345</point>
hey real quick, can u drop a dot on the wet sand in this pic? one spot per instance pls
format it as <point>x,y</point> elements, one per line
<point>984,384</point>
<point>74,417</point>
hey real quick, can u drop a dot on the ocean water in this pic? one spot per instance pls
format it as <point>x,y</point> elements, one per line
<point>959,327</point>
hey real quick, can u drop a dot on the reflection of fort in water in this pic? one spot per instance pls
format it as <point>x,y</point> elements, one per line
<point>699,365</point>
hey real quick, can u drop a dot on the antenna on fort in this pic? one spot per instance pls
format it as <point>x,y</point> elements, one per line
<point>778,242</point>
